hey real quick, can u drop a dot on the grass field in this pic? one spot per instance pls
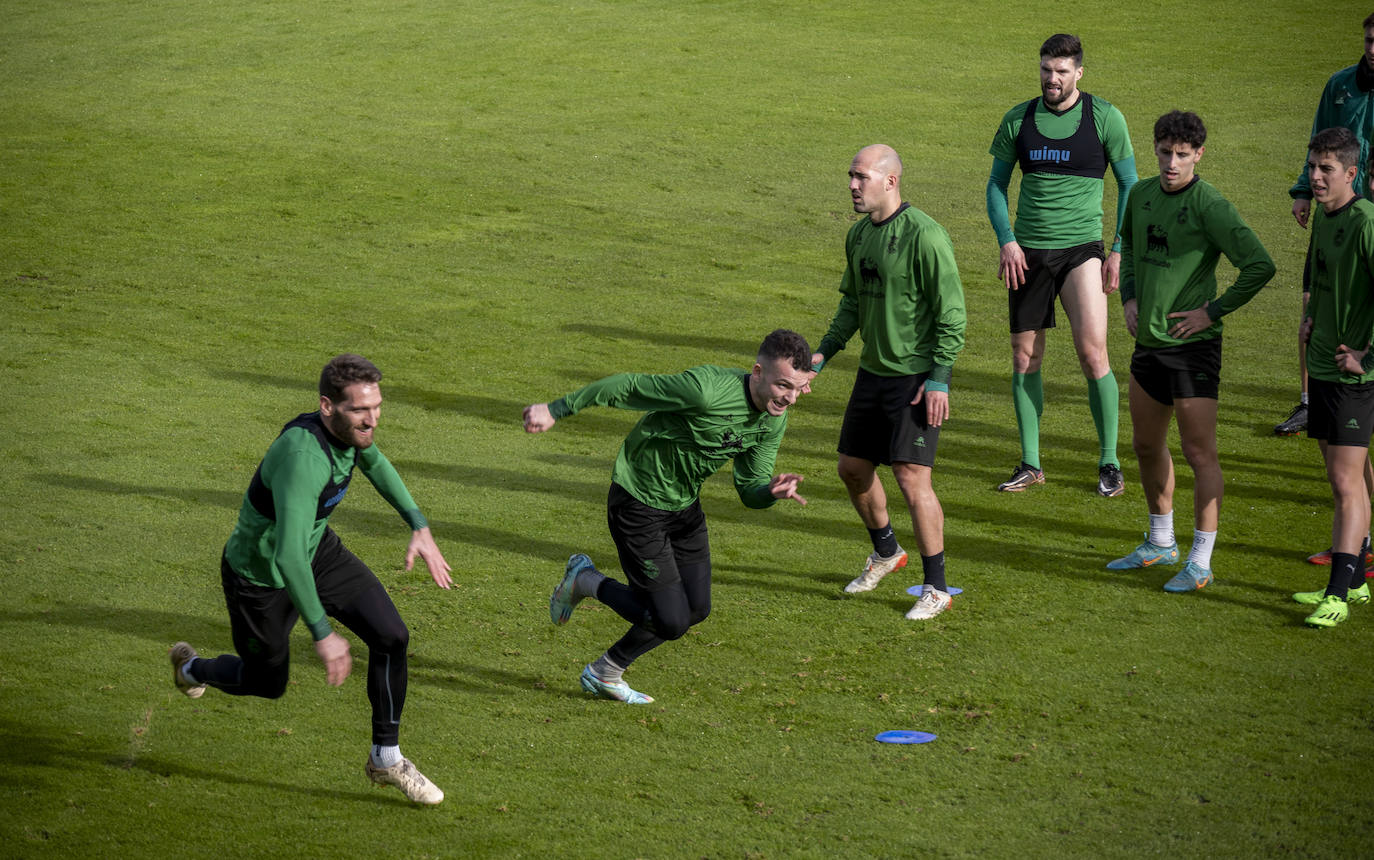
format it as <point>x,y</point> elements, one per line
<point>201,203</point>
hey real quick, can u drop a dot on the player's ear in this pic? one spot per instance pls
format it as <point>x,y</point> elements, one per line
<point>326,406</point>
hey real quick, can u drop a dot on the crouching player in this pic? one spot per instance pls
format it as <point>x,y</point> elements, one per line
<point>1337,328</point>
<point>1174,231</point>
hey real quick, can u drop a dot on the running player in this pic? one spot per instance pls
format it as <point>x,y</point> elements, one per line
<point>696,422</point>
<point>901,292</point>
<point>1063,141</point>
<point>1174,232</point>
<point>1337,328</point>
<point>283,562</point>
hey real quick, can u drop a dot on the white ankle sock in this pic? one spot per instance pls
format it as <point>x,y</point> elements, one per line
<point>1162,529</point>
<point>605,669</point>
<point>386,756</point>
<point>1201,555</point>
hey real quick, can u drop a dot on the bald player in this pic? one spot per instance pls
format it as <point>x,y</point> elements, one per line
<point>901,292</point>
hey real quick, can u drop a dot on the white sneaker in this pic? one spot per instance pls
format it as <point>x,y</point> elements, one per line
<point>875,569</point>
<point>408,779</point>
<point>182,654</point>
<point>931,603</point>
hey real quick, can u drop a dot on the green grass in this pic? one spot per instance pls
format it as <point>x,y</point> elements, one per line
<point>200,203</point>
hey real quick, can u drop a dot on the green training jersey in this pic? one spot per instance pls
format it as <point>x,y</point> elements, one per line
<point>901,291</point>
<point>696,422</point>
<point>1340,264</point>
<point>1055,210</point>
<point>275,550</point>
<point>1347,102</point>
<point>1170,245</point>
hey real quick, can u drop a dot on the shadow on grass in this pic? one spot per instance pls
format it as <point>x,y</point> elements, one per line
<point>30,747</point>
<point>153,625</point>
<point>372,524</point>
<point>366,793</point>
<point>494,409</point>
<point>483,680</point>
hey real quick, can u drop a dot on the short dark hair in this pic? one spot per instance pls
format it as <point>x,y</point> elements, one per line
<point>1340,142</point>
<point>1368,22</point>
<point>787,344</point>
<point>1181,127</point>
<point>345,370</point>
<point>1063,45</point>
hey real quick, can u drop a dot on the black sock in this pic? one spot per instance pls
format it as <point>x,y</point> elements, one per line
<point>933,566</point>
<point>884,541</point>
<point>1344,566</point>
<point>1357,578</point>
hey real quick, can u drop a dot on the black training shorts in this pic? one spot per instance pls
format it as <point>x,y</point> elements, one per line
<point>1031,306</point>
<point>1176,372</point>
<point>880,424</point>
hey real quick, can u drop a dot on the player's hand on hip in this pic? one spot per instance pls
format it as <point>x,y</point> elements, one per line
<point>1301,210</point>
<point>333,653</point>
<point>538,418</point>
<point>1305,330</point>
<point>1111,273</point>
<point>1349,361</point>
<point>785,487</point>
<point>1190,322</point>
<point>1011,265</point>
<point>422,544</point>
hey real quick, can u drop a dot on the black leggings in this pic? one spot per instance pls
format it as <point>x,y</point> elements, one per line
<point>261,619</point>
<point>666,556</point>
<point>657,616</point>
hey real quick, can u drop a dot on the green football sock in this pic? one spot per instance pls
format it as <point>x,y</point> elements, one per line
<point>1028,401</point>
<point>1104,399</point>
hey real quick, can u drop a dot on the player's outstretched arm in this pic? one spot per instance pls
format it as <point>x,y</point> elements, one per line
<point>538,418</point>
<point>422,544</point>
<point>785,487</point>
<point>333,653</point>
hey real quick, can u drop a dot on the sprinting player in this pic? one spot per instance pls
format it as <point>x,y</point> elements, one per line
<point>1337,328</point>
<point>901,292</point>
<point>1347,101</point>
<point>283,562</point>
<point>1063,141</point>
<point>1174,232</point>
<point>696,422</point>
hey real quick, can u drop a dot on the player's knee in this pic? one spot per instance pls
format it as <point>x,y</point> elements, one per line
<point>1199,455</point>
<point>699,614</point>
<point>394,639</point>
<point>672,628</point>
<point>271,682</point>
<point>856,474</point>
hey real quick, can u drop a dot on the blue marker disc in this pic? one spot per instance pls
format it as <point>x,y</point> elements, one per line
<point>915,591</point>
<point>902,736</point>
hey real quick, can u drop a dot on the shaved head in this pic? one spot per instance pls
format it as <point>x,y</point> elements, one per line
<point>882,158</point>
<point>875,178</point>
